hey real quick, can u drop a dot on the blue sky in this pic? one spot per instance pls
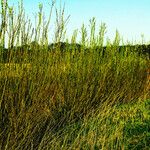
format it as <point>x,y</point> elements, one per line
<point>130,17</point>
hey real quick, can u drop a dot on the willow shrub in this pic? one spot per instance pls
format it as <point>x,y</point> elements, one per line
<point>49,90</point>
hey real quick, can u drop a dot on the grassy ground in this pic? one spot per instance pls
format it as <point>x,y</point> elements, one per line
<point>73,99</point>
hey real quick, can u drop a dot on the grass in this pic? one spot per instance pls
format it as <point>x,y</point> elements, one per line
<point>13,69</point>
<point>80,96</point>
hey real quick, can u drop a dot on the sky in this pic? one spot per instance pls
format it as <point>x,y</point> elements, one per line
<point>130,17</point>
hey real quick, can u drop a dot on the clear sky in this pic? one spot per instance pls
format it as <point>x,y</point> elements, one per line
<point>130,17</point>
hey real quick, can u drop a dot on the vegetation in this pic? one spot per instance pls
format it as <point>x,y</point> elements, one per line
<point>70,96</point>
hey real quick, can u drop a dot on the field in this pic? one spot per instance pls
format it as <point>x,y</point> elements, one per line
<point>71,95</point>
